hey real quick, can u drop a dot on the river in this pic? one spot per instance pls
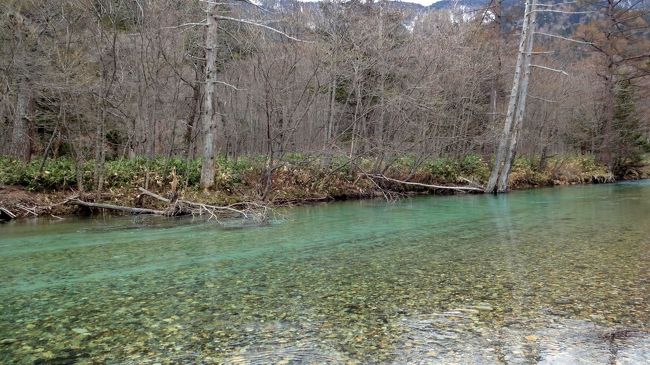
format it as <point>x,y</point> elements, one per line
<point>548,276</point>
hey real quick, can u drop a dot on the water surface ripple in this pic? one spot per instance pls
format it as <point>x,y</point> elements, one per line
<point>548,276</point>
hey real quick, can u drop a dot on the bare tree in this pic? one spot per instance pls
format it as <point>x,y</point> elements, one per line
<point>516,105</point>
<point>209,120</point>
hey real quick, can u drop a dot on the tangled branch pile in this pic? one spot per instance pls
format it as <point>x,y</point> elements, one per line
<point>249,211</point>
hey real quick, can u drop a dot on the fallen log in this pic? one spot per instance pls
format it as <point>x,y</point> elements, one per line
<point>6,214</point>
<point>178,207</point>
<point>119,208</point>
<point>154,195</point>
<point>431,186</point>
<point>190,207</point>
<point>473,183</point>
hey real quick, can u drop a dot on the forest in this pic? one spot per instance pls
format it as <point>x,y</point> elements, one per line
<point>246,98</point>
<point>324,182</point>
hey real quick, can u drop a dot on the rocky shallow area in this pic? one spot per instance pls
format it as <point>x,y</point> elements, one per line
<point>557,276</point>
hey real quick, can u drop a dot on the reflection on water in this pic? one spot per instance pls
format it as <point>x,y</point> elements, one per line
<point>549,276</point>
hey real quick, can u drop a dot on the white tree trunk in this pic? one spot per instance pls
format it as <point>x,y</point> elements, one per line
<point>330,121</point>
<point>521,104</point>
<point>506,135</point>
<point>209,122</point>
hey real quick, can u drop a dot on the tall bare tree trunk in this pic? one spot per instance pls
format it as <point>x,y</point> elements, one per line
<point>330,120</point>
<point>521,104</point>
<point>506,136</point>
<point>209,114</point>
<point>496,82</point>
<point>100,148</point>
<point>20,142</point>
<point>357,107</point>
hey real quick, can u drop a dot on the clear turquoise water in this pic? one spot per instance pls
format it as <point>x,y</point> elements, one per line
<point>543,276</point>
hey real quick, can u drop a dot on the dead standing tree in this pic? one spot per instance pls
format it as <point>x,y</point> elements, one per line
<point>211,116</point>
<point>209,122</point>
<point>516,105</point>
<point>498,182</point>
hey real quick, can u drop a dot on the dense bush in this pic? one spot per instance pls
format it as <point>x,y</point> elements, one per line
<point>473,167</point>
<point>444,169</point>
<point>57,174</point>
<point>61,173</point>
<point>243,173</point>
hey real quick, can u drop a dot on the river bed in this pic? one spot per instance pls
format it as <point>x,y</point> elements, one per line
<point>546,276</point>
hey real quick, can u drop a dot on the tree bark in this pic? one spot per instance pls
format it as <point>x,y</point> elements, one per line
<point>20,141</point>
<point>521,104</point>
<point>116,207</point>
<point>506,135</point>
<point>209,114</point>
<point>496,81</point>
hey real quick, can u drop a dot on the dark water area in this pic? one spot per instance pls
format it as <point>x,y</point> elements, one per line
<point>547,276</point>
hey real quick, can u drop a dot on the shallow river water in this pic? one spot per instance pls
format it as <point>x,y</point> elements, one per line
<point>547,276</point>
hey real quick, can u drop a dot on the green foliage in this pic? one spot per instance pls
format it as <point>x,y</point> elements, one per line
<point>342,164</point>
<point>525,171</point>
<point>629,139</point>
<point>473,167</point>
<point>588,163</point>
<point>230,172</point>
<point>405,162</point>
<point>134,172</point>
<point>295,158</point>
<point>299,172</point>
<point>60,174</point>
<point>57,174</point>
<point>444,169</point>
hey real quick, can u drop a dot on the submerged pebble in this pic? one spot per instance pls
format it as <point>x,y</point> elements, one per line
<point>338,285</point>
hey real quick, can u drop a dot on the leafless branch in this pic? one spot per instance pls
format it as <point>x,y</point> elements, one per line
<point>550,69</point>
<point>257,24</point>
<point>431,186</point>
<point>541,99</point>
<point>564,38</point>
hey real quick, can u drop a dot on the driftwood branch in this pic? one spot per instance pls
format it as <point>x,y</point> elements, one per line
<point>4,212</point>
<point>154,195</point>
<point>116,207</point>
<point>430,186</point>
<point>31,211</point>
<point>246,210</point>
<point>473,183</point>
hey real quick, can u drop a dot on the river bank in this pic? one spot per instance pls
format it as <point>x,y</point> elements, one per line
<point>42,188</point>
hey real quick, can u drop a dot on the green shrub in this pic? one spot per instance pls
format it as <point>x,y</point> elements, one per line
<point>525,170</point>
<point>133,172</point>
<point>444,169</point>
<point>473,167</point>
<point>57,174</point>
